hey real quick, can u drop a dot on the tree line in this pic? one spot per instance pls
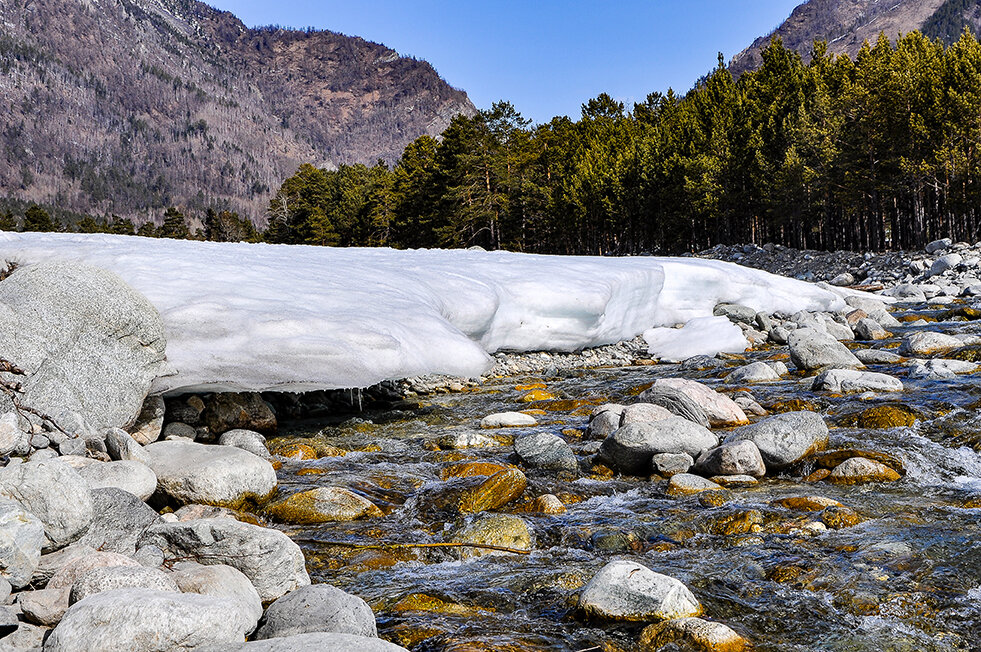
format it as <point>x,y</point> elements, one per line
<point>879,152</point>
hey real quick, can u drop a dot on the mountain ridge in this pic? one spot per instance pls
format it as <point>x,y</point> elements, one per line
<point>129,106</point>
<point>846,24</point>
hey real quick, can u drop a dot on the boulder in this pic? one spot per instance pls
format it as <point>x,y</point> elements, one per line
<point>144,620</point>
<point>55,493</point>
<point>686,484</point>
<point>858,470</point>
<point>493,493</point>
<point>88,342</point>
<point>229,411</point>
<point>785,438</point>
<point>247,440</point>
<point>671,464</point>
<point>735,313</point>
<point>149,423</point>
<point>627,591</point>
<point>465,439</point>
<point>812,349</point>
<point>605,420</point>
<point>273,563</point>
<point>190,472</point>
<point>109,578</point>
<point>119,518</point>
<point>507,420</point>
<point>843,381</point>
<point>732,458</point>
<point>757,372</point>
<point>698,633</point>
<point>644,413</point>
<point>869,330</point>
<point>546,451</point>
<point>924,343</point>
<point>219,581</point>
<point>52,562</point>
<point>939,245</point>
<point>677,402</point>
<point>631,447</point>
<point>134,477</point>
<point>13,438</point>
<point>938,368</point>
<point>122,447</point>
<point>320,642</point>
<point>877,356</point>
<point>323,505</point>
<point>718,408</point>
<point>21,538</point>
<point>317,608</point>
<point>502,530</point>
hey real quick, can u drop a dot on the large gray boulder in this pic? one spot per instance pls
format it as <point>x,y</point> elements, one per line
<point>145,620</point>
<point>546,451</point>
<point>843,381</point>
<point>55,493</point>
<point>109,578</point>
<point>317,608</point>
<point>924,343</point>
<point>813,349</point>
<point>219,581</point>
<point>134,477</point>
<point>718,408</point>
<point>21,538</point>
<point>119,520</point>
<point>89,343</point>
<point>320,642</point>
<point>13,438</point>
<point>271,561</point>
<point>631,447</point>
<point>190,472</point>
<point>625,590</point>
<point>785,438</point>
<point>247,440</point>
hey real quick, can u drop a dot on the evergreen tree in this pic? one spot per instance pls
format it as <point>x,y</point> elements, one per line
<point>7,221</point>
<point>174,225</point>
<point>37,219</point>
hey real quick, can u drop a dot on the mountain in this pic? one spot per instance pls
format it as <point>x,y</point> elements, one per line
<point>847,24</point>
<point>129,106</point>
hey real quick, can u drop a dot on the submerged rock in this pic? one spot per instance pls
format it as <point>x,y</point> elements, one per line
<point>858,470</point>
<point>323,505</point>
<point>626,591</point>
<point>502,530</point>
<point>696,632</point>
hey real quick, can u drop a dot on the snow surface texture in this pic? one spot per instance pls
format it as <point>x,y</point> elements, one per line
<point>256,317</point>
<point>700,336</point>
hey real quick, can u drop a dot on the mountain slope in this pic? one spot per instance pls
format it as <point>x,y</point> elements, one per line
<point>846,24</point>
<point>128,106</point>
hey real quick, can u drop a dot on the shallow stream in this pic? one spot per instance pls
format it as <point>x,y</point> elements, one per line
<point>907,577</point>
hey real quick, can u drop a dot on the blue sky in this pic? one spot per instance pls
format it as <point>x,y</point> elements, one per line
<point>547,57</point>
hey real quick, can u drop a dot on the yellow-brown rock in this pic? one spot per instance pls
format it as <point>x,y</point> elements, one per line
<point>807,503</point>
<point>883,416</point>
<point>832,459</point>
<point>714,497</point>
<point>323,505</point>
<point>536,395</point>
<point>686,484</point>
<point>432,604</point>
<point>499,530</point>
<point>293,450</point>
<point>837,518</point>
<point>859,470</point>
<point>495,492</point>
<point>544,504</point>
<point>793,405</point>
<point>742,522</point>
<point>471,469</point>
<point>530,386</point>
<point>818,475</point>
<point>703,635</point>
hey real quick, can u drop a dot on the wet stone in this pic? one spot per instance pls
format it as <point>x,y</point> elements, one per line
<point>686,484</point>
<point>627,591</point>
<point>493,493</point>
<point>670,464</point>
<point>500,530</point>
<point>703,635</point>
<point>859,470</point>
<point>838,517</point>
<point>323,505</point>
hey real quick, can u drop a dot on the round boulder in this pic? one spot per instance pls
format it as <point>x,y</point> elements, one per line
<point>631,448</point>
<point>785,438</point>
<point>626,591</point>
<point>317,608</point>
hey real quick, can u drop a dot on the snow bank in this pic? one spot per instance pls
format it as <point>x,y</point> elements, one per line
<point>258,317</point>
<point>699,336</point>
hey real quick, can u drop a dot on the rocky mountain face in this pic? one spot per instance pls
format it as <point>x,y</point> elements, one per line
<point>129,106</point>
<point>847,24</point>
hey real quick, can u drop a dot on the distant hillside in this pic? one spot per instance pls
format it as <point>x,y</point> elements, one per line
<point>129,106</point>
<point>846,24</point>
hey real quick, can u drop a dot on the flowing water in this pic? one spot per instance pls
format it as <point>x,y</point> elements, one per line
<point>907,577</point>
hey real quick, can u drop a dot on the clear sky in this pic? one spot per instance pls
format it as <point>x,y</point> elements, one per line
<point>547,57</point>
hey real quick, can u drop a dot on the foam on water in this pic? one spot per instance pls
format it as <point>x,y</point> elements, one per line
<point>257,317</point>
